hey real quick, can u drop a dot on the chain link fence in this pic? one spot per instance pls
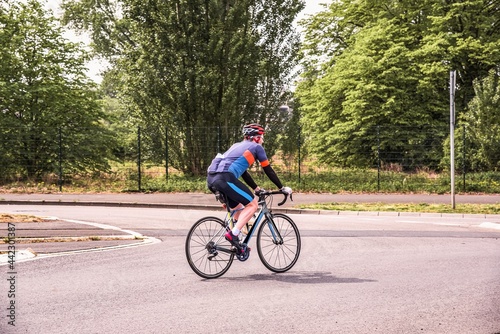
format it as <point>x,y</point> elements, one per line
<point>52,155</point>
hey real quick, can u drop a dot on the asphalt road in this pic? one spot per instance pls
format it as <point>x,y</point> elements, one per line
<point>356,274</point>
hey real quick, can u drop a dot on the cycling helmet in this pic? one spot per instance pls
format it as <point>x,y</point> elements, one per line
<point>253,129</point>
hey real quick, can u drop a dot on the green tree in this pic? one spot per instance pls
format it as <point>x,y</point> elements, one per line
<point>194,71</point>
<point>482,121</point>
<point>118,121</point>
<point>290,141</point>
<point>45,97</point>
<point>386,68</point>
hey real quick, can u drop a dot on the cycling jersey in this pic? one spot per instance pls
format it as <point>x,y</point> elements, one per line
<point>225,170</point>
<point>239,158</point>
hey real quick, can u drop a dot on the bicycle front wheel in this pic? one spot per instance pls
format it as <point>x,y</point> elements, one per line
<point>208,252</point>
<point>278,243</point>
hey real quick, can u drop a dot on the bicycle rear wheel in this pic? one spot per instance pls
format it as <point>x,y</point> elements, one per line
<point>207,251</point>
<point>278,243</point>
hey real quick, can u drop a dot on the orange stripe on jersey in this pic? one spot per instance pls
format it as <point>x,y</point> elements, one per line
<point>249,156</point>
<point>264,163</point>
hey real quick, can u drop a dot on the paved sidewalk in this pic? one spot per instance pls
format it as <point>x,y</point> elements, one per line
<point>57,236</point>
<point>197,200</point>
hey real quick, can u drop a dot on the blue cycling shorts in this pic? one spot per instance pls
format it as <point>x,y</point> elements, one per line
<point>235,190</point>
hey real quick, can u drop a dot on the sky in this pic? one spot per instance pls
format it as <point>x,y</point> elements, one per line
<point>312,7</point>
<point>96,66</point>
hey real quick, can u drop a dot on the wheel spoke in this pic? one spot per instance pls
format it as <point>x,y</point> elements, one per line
<point>278,249</point>
<point>201,244</point>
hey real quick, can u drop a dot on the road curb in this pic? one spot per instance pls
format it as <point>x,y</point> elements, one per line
<point>211,207</point>
<point>20,255</point>
<point>28,254</point>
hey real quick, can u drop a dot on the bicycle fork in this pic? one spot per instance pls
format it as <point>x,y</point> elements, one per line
<point>277,238</point>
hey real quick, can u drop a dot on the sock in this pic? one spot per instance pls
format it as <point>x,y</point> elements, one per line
<point>235,231</point>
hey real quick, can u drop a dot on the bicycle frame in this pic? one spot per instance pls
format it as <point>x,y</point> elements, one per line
<point>262,213</point>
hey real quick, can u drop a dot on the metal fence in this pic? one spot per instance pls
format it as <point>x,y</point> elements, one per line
<point>52,155</point>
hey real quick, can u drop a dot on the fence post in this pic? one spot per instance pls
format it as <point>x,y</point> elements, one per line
<point>166,152</point>
<point>139,158</point>
<point>452,136</point>
<point>299,142</point>
<point>463,158</point>
<point>60,180</point>
<point>378,158</point>
<point>218,138</point>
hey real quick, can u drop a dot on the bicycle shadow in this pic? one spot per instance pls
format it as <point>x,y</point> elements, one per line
<point>300,277</point>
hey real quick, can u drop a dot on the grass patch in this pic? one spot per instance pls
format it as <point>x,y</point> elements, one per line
<point>8,218</point>
<point>410,207</point>
<point>342,180</point>
<point>326,181</point>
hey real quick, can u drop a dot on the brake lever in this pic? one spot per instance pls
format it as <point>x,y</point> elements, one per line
<point>284,200</point>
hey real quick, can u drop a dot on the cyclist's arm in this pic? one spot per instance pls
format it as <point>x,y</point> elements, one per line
<point>271,174</point>
<point>249,180</point>
<point>266,166</point>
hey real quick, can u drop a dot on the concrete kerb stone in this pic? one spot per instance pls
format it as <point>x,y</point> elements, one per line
<point>388,213</point>
<point>217,207</point>
<point>28,253</point>
<point>409,214</point>
<point>495,226</point>
<point>468,215</point>
<point>114,240</point>
<point>21,255</point>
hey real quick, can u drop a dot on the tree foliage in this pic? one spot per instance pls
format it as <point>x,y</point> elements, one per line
<point>482,123</point>
<point>192,71</point>
<point>45,97</point>
<point>374,64</point>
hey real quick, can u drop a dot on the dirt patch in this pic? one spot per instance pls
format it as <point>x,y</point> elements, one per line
<point>8,218</point>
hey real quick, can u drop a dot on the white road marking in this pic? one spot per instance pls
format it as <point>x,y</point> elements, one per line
<point>28,254</point>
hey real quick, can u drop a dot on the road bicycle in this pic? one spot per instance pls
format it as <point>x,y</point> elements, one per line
<point>210,255</point>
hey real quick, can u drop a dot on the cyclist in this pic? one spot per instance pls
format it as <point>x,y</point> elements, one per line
<point>225,170</point>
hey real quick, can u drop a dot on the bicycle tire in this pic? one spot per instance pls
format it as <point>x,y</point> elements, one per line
<point>198,248</point>
<point>279,257</point>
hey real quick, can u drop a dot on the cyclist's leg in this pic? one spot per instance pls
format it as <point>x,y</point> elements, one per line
<point>238,194</point>
<point>247,213</point>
